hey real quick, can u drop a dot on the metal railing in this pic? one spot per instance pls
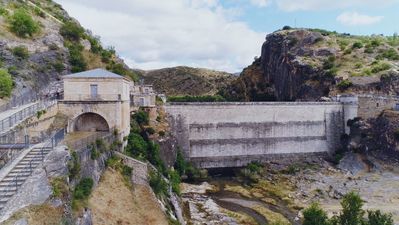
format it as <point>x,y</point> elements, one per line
<point>23,114</point>
<point>86,141</point>
<point>27,97</point>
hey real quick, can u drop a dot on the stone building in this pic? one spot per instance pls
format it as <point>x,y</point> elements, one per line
<point>98,101</point>
<point>369,106</point>
<point>142,95</point>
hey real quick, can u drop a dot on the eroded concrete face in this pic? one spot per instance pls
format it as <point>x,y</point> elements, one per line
<point>234,134</point>
<point>91,122</point>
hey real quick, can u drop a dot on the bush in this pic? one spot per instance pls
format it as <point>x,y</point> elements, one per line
<point>314,215</point>
<point>83,189</point>
<point>20,52</point>
<point>161,133</point>
<point>357,45</point>
<point>22,24</point>
<point>381,66</point>
<point>137,146</point>
<point>158,184</point>
<point>174,178</point>
<point>352,213</point>
<point>6,84</point>
<point>344,84</point>
<point>150,130</point>
<point>74,166</point>
<point>287,28</point>
<point>76,58</point>
<point>3,11</point>
<point>71,31</point>
<point>141,117</point>
<point>39,12</point>
<point>378,218</point>
<point>391,54</point>
<point>59,66</point>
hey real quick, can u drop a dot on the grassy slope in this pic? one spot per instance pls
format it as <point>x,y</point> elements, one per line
<point>112,202</point>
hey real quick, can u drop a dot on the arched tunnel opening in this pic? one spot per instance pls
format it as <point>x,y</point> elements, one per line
<point>91,122</point>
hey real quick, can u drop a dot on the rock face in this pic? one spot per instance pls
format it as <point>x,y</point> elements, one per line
<point>186,80</point>
<point>376,136</point>
<point>306,64</point>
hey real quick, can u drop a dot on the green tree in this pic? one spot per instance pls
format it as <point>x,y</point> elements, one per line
<point>22,24</point>
<point>141,117</point>
<point>352,213</point>
<point>378,218</point>
<point>6,83</point>
<point>314,215</point>
<point>137,146</point>
<point>180,163</point>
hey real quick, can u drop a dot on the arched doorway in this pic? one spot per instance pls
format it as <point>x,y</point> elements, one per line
<point>90,122</point>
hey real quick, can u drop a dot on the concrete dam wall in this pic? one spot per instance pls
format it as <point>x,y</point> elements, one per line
<point>233,134</point>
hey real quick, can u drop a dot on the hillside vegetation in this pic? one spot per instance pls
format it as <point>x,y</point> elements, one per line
<point>39,43</point>
<point>187,81</point>
<point>306,64</point>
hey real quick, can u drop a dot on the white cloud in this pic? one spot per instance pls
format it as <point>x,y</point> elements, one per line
<point>313,5</point>
<point>151,34</point>
<point>260,3</point>
<point>355,19</point>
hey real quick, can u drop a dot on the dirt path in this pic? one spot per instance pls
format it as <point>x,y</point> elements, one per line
<point>112,202</point>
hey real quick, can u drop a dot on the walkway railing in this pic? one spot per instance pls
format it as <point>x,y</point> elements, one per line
<point>24,113</point>
<point>8,155</point>
<point>82,143</point>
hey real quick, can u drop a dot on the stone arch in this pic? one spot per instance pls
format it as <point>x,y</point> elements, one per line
<point>90,122</point>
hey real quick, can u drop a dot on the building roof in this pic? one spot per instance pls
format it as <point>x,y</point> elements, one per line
<point>96,73</point>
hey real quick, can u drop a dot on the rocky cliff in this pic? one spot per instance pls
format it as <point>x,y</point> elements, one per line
<point>184,80</point>
<point>54,45</point>
<point>307,64</point>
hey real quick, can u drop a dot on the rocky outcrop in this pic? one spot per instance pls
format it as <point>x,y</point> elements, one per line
<point>307,64</point>
<point>184,80</point>
<point>378,137</point>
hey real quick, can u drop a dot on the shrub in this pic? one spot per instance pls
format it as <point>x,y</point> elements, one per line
<point>378,218</point>
<point>381,66</point>
<point>94,154</point>
<point>120,69</point>
<point>141,117</point>
<point>83,189</point>
<point>329,63</point>
<point>153,156</point>
<point>391,54</point>
<point>161,133</point>
<point>174,178</point>
<point>71,31</point>
<point>352,213</point>
<point>357,45</point>
<point>74,166</point>
<point>158,184</point>
<point>180,164</point>
<point>76,58</point>
<point>6,84</point>
<point>347,51</point>
<point>60,187</point>
<point>137,146</point>
<point>287,27</point>
<point>20,52</point>
<point>3,11</point>
<point>314,215</point>
<point>39,12</point>
<point>22,24</point>
<point>344,84</point>
<point>59,66</point>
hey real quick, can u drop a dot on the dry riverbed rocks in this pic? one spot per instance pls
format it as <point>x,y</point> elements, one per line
<point>281,194</point>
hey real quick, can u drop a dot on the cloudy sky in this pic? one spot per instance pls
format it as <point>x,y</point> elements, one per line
<point>218,34</point>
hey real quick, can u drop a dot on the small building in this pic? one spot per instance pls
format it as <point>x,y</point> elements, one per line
<point>98,101</point>
<point>142,96</point>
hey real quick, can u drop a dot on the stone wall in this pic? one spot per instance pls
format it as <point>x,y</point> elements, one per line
<point>140,169</point>
<point>234,134</point>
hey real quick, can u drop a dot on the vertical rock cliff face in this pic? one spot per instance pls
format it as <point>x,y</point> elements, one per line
<point>284,67</point>
<point>285,71</point>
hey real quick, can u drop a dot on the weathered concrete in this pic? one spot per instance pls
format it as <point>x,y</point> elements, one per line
<point>234,134</point>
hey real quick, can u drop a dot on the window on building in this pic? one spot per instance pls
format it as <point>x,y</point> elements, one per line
<point>378,104</point>
<point>94,90</point>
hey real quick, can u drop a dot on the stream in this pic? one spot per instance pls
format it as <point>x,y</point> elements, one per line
<point>235,202</point>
